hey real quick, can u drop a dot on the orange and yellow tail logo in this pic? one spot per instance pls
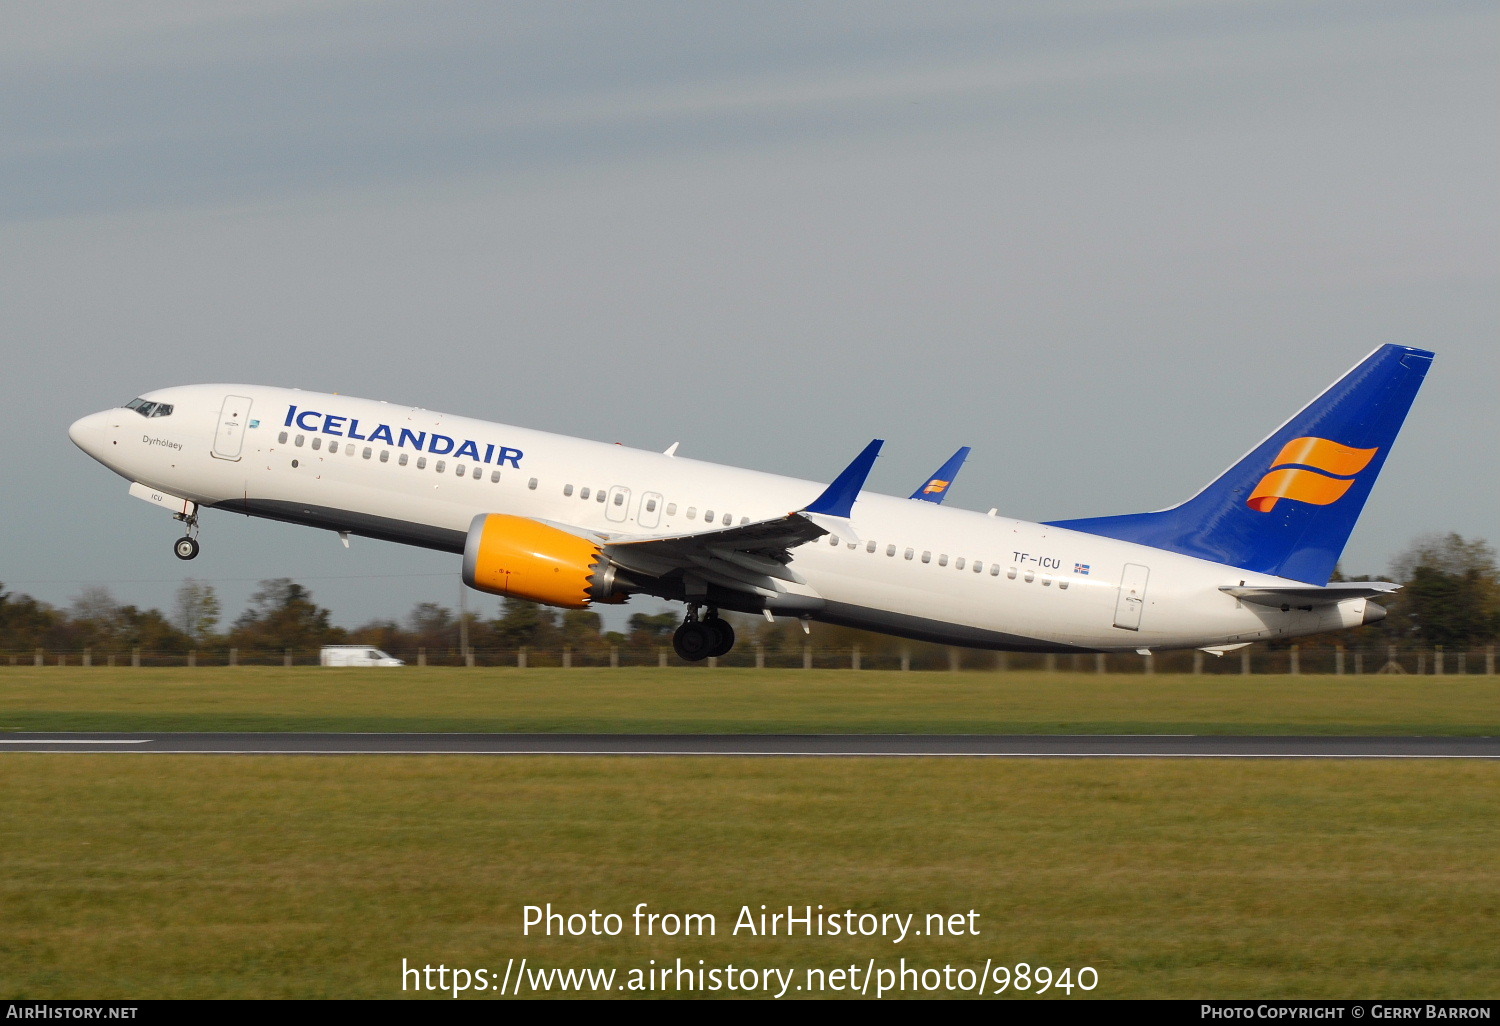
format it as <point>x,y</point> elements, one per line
<point>935,486</point>
<point>1314,486</point>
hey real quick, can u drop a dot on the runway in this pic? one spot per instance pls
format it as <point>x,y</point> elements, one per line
<point>1074,746</point>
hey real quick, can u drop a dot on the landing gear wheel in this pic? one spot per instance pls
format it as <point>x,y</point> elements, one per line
<point>723,636</point>
<point>695,640</point>
<point>185,548</point>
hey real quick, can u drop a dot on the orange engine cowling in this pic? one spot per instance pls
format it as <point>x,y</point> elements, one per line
<point>527,559</point>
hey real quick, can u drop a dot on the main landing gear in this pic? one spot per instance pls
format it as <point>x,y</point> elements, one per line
<point>702,639</point>
<point>186,547</point>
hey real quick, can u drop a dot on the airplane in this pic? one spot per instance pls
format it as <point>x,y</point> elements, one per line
<point>571,522</point>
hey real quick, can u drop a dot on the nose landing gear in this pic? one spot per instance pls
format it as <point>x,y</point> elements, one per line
<point>707,638</point>
<point>186,547</point>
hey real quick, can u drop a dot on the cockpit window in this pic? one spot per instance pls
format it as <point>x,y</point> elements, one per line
<point>148,409</point>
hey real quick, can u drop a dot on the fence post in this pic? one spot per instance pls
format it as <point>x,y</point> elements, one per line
<point>286,657</point>
<point>1421,661</point>
<point>1099,662</point>
<point>807,655</point>
<point>88,656</point>
<point>1197,662</point>
<point>1050,662</point>
<point>1295,661</point>
<point>567,658</point>
<point>422,656</point>
<point>1002,662</point>
<point>234,656</point>
<point>760,655</point>
<point>39,657</point>
<point>1338,660</point>
<point>1148,662</point>
<point>135,658</point>
<point>906,659</point>
<point>1244,661</point>
<point>111,663</point>
<point>661,657</point>
<point>62,660</point>
<point>713,662</point>
<point>614,657</point>
<point>192,658</point>
<point>1489,660</point>
<point>469,658</point>
<point>1437,660</point>
<point>1463,664</point>
<point>854,658</point>
<point>521,658</point>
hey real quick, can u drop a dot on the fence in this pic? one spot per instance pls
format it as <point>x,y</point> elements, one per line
<point>1294,660</point>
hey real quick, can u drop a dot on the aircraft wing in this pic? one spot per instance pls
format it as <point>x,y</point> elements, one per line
<point>935,488</point>
<point>750,557</point>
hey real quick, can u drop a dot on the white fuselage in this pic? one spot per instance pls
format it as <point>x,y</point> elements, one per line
<point>916,568</point>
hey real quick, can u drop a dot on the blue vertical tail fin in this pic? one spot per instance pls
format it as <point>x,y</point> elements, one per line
<point>1289,505</point>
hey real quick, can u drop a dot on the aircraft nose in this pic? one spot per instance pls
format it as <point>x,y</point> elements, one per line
<point>88,433</point>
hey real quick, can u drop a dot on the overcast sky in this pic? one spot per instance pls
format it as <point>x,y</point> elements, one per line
<point>1110,245</point>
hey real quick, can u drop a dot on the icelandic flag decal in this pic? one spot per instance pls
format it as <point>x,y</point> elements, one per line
<point>1081,568</point>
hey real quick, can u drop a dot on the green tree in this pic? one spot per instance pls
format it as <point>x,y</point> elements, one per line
<point>26,624</point>
<point>523,622</point>
<point>196,611</point>
<point>1450,592</point>
<point>282,614</point>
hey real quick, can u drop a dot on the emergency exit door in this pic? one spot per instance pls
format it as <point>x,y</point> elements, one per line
<point>229,436</point>
<point>1132,597</point>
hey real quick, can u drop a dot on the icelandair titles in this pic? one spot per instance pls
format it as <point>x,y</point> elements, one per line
<point>403,438</point>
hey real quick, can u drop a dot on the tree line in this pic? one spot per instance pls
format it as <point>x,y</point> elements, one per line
<point>1450,597</point>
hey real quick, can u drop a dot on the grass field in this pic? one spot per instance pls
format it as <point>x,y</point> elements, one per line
<point>739,701</point>
<point>136,876</point>
<point>183,876</point>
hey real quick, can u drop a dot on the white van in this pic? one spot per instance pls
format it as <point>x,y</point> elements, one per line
<point>356,655</point>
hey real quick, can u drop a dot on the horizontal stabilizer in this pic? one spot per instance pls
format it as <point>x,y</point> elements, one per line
<point>1304,598</point>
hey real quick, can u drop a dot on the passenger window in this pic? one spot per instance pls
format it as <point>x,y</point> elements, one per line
<point>869,546</point>
<point>1030,576</point>
<point>1010,575</point>
<point>317,442</point>
<point>995,570</point>
<point>494,477</point>
<point>583,493</point>
<point>926,556</point>
<point>890,550</point>
<point>598,494</point>
<point>833,540</point>
<point>958,564</point>
<point>385,455</point>
<point>650,505</point>
<point>744,521</point>
<point>531,484</point>
<point>568,490</point>
<point>333,447</point>
<point>298,441</point>
<point>1046,581</point>
<point>281,438</point>
<point>671,509</point>
<point>478,473</point>
<point>460,469</point>
<point>943,559</point>
<point>440,466</point>
<point>1062,584</point>
<point>910,553</point>
<point>368,452</point>
<point>853,545</point>
<point>708,516</point>
<point>619,498</point>
<point>978,567</point>
<point>421,462</point>
<point>402,459</point>
<point>728,519</point>
<point>692,513</point>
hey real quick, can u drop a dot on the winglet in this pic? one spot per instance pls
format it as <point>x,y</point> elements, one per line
<point>837,499</point>
<point>935,488</point>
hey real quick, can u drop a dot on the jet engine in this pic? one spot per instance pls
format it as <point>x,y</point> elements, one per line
<point>524,558</point>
